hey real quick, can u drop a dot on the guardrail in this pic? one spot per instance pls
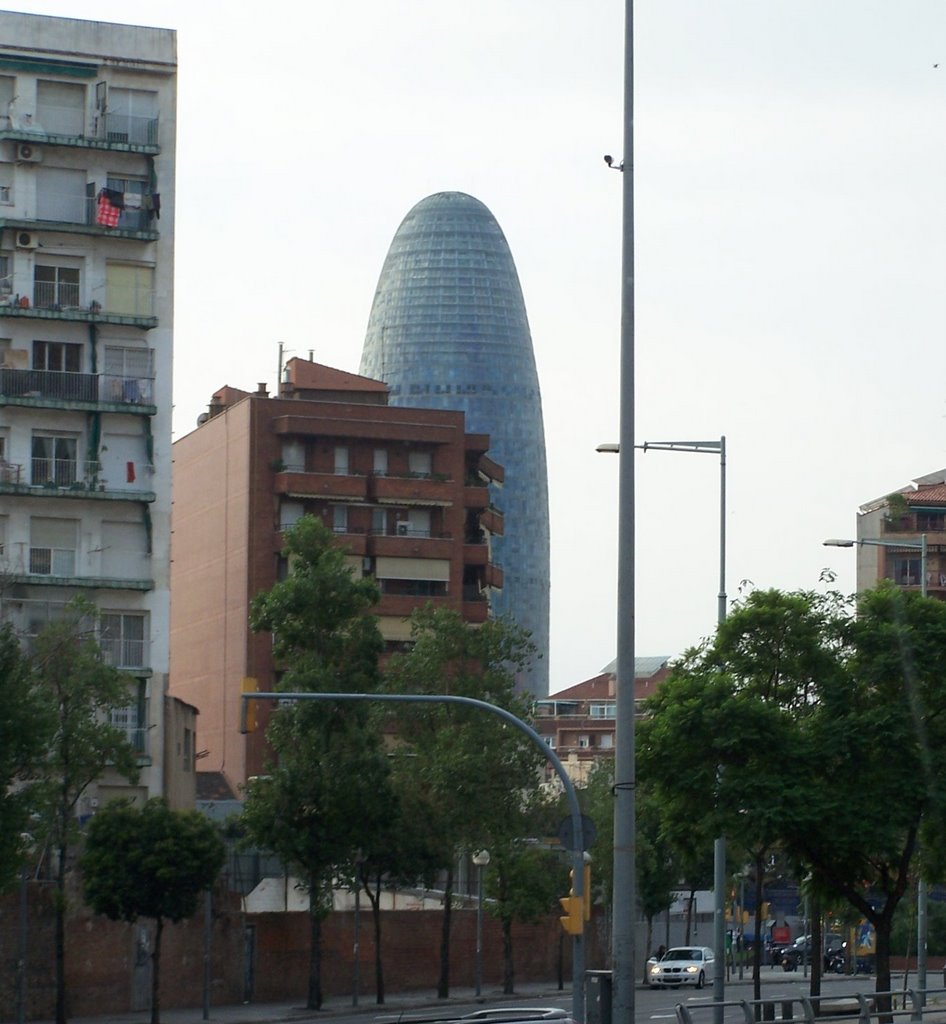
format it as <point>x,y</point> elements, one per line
<point>866,1008</point>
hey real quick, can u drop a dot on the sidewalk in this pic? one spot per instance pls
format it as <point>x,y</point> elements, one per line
<point>338,1006</point>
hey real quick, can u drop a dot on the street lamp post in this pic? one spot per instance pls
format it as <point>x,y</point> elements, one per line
<point>922,896</point>
<point>719,845</point>
<point>481,860</point>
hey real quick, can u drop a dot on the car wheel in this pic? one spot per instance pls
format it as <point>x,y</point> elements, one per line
<point>701,980</point>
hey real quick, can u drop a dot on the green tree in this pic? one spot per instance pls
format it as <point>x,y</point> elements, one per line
<point>149,861</point>
<point>524,883</point>
<point>25,730</point>
<point>855,704</point>
<point>79,694</point>
<point>326,791</point>
<point>400,850</point>
<point>470,767</point>
<point>323,801</point>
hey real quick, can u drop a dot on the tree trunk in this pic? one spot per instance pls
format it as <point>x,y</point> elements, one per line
<point>814,948</point>
<point>757,945</point>
<point>375,900</point>
<point>882,927</point>
<point>156,973</point>
<point>61,1016</point>
<point>508,972</point>
<point>314,1001</point>
<point>443,982</point>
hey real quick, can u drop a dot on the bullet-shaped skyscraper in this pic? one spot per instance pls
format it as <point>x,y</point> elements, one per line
<point>448,329</point>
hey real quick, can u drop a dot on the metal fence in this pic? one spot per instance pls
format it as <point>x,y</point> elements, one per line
<point>865,1008</point>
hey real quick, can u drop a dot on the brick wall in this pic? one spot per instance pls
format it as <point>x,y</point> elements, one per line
<point>107,969</point>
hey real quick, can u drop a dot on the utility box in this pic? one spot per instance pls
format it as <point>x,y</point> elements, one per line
<point>597,997</point>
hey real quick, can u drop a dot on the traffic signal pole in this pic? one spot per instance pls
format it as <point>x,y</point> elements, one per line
<point>578,841</point>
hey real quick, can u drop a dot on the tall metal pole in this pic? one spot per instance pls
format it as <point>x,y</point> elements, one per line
<point>719,846</point>
<point>624,879</point>
<point>479,929</point>
<point>922,896</point>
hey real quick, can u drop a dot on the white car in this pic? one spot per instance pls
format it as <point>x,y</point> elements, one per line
<point>683,965</point>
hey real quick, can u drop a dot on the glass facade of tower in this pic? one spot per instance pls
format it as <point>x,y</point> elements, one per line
<point>448,330</point>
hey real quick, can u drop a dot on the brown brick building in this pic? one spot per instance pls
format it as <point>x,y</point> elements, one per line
<point>404,489</point>
<point>578,723</point>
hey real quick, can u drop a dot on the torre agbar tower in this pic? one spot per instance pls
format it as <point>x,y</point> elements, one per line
<point>448,329</point>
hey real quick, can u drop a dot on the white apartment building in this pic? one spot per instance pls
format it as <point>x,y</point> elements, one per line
<point>87,141</point>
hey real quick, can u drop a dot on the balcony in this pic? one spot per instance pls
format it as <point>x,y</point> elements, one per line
<point>299,484</point>
<point>75,214</point>
<point>475,496</point>
<point>118,133</point>
<point>491,519</point>
<point>92,392</point>
<point>415,489</point>
<point>127,655</point>
<point>64,478</point>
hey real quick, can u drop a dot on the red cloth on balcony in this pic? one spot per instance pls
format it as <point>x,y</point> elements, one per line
<point>108,213</point>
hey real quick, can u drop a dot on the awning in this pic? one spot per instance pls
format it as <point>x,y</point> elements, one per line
<point>412,569</point>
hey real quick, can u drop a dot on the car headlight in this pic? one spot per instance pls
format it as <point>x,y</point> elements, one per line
<point>692,969</point>
<point>655,969</point>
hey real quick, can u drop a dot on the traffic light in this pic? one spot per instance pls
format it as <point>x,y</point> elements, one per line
<point>250,685</point>
<point>572,919</point>
<point>577,908</point>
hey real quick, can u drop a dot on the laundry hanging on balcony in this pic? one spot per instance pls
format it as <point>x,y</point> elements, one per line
<point>110,207</point>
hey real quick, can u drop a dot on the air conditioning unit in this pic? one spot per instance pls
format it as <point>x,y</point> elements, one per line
<point>28,153</point>
<point>403,529</point>
<point>27,240</point>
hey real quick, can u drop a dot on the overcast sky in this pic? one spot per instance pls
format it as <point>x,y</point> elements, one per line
<point>791,249</point>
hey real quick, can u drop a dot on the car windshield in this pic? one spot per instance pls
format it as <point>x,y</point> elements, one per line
<point>683,954</point>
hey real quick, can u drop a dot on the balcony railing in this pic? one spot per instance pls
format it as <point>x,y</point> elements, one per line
<point>77,210</point>
<point>124,654</point>
<point>64,472</point>
<point>50,295</point>
<point>142,131</point>
<point>52,562</point>
<point>76,387</point>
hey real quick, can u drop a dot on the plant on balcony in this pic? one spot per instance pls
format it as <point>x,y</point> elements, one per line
<point>897,514</point>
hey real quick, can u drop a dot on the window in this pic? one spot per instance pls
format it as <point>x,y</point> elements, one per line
<point>380,461</point>
<point>188,750</point>
<point>129,289</point>
<point>418,522</point>
<point>906,571</point>
<point>135,216</point>
<point>340,518</point>
<point>132,115</point>
<point>129,375</point>
<point>55,287</point>
<point>57,355</point>
<point>601,710</point>
<point>3,538</point>
<point>7,93</point>
<point>6,268</point>
<point>60,107</point>
<point>123,639</point>
<point>61,196</point>
<point>53,545</point>
<point>379,521</point>
<point>584,741</point>
<point>53,460</point>
<point>419,463</point>
<point>606,741</point>
<point>549,741</point>
<point>290,512</point>
<point>341,460</point>
<point>132,719</point>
